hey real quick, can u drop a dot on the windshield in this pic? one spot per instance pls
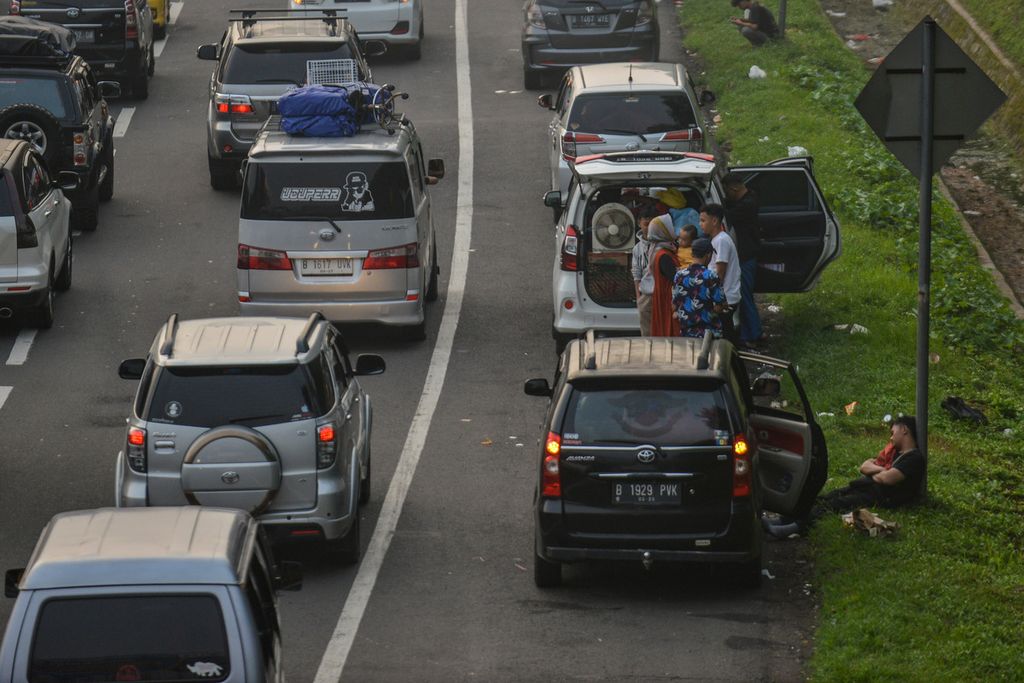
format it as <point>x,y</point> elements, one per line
<point>138,638</point>
<point>655,415</point>
<point>625,114</point>
<point>356,191</point>
<point>279,62</point>
<point>42,91</point>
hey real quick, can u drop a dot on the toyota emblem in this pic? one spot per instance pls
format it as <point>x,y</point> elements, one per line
<point>230,477</point>
<point>73,12</point>
<point>590,9</point>
<point>327,235</point>
<point>645,455</point>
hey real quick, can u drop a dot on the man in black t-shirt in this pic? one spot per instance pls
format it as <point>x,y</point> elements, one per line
<point>741,211</point>
<point>758,23</point>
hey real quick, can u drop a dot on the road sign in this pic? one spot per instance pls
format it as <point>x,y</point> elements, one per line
<point>891,101</point>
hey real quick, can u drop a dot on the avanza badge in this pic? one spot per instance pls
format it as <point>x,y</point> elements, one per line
<point>310,194</point>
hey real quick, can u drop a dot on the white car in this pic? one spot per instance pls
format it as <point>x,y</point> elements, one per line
<point>594,237</point>
<point>399,23</point>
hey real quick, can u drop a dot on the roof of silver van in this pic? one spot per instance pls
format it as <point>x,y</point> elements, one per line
<point>646,357</point>
<point>646,75</point>
<point>141,546</point>
<point>371,139</point>
<point>236,341</point>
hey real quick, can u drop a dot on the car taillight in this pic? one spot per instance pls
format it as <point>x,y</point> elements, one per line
<point>551,479</point>
<point>131,20</point>
<point>255,258</point>
<point>326,446</point>
<point>80,148</point>
<point>688,134</point>
<point>15,7</point>
<point>741,474</point>
<point>405,256</point>
<point>137,449</point>
<point>570,139</point>
<point>570,248</point>
<point>233,105</point>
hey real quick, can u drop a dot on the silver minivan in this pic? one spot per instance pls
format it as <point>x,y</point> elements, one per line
<point>342,226</point>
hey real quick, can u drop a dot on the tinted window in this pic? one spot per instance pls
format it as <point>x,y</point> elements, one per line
<point>656,415</point>
<point>136,638</point>
<point>37,182</point>
<point>45,92</point>
<point>642,113</point>
<point>5,196</point>
<point>278,62</point>
<point>251,396</point>
<point>343,191</point>
<point>783,190</point>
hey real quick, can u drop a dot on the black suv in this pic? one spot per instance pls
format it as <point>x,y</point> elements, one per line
<point>114,36</point>
<point>52,100</point>
<point>662,450</point>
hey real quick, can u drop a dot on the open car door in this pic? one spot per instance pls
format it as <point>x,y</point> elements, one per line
<point>799,233</point>
<point>792,458</point>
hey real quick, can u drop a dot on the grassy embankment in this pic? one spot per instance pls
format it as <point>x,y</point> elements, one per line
<point>942,601</point>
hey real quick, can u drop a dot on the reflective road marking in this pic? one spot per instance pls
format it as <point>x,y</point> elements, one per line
<point>19,352</point>
<point>123,119</point>
<point>4,393</point>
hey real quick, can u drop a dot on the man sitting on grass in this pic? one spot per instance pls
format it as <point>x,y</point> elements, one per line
<point>891,487</point>
<point>757,25</point>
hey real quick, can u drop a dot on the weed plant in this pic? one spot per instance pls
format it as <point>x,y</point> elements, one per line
<point>942,600</point>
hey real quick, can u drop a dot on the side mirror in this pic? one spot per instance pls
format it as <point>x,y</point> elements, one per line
<point>132,368</point>
<point>209,52</point>
<point>68,181</point>
<point>12,577</point>
<point>537,387</point>
<point>110,89</point>
<point>766,386</point>
<point>553,199</point>
<point>369,364</point>
<point>374,48</point>
<point>289,576</point>
<point>435,168</point>
<point>544,101</point>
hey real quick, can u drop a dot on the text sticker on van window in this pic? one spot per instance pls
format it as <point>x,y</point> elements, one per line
<point>310,194</point>
<point>357,193</point>
<point>172,409</point>
<point>721,437</point>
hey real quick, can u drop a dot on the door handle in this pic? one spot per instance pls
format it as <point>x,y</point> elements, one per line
<point>47,213</point>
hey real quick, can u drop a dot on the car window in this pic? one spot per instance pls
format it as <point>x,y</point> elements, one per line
<point>44,92</point>
<point>250,396</point>
<point>415,177</point>
<point>259,594</point>
<point>607,4</point>
<point>632,113</point>
<point>320,371</point>
<point>279,62</point>
<point>341,191</point>
<point>779,394</point>
<point>6,208</point>
<point>659,414</point>
<point>37,182</point>
<point>339,367</point>
<point>783,190</point>
<point>133,638</point>
<point>84,94</point>
<point>564,95</point>
<point>144,382</point>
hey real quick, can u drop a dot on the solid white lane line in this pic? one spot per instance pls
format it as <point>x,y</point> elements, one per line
<point>176,8</point>
<point>4,393</point>
<point>123,119</point>
<point>158,47</point>
<point>22,345</point>
<point>333,662</point>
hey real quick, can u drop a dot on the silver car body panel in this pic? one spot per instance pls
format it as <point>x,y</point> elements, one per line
<point>376,19</point>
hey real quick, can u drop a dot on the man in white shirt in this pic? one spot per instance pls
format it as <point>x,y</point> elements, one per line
<point>726,262</point>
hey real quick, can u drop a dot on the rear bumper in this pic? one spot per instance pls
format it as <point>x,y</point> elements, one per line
<point>396,312</point>
<point>585,314</point>
<point>19,301</point>
<point>539,55</point>
<point>220,135</point>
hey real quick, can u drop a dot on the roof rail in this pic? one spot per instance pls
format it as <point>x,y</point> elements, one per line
<point>34,60</point>
<point>302,346</point>
<point>170,330</point>
<point>249,17</point>
<point>703,358</point>
<point>590,363</point>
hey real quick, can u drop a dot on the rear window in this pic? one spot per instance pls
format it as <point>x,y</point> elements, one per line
<point>344,191</point>
<point>631,114</point>
<point>662,416</point>
<point>137,638</point>
<point>278,62</point>
<point>251,396</point>
<point>44,92</point>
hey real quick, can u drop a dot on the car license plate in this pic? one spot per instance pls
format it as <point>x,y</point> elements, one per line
<point>326,266</point>
<point>591,20</point>
<point>83,35</point>
<point>646,493</point>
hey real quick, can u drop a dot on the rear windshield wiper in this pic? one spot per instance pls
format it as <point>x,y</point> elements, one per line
<point>618,131</point>
<point>323,218</point>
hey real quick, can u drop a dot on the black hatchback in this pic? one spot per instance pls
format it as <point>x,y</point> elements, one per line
<point>663,450</point>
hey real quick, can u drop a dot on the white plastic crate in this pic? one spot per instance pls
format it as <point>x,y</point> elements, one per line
<point>328,71</point>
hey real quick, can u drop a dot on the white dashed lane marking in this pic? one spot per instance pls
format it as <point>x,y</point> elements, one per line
<point>123,119</point>
<point>22,345</point>
<point>175,11</point>
<point>4,393</point>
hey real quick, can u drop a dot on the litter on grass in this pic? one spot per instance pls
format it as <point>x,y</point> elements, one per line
<point>767,574</point>
<point>833,13</point>
<point>869,523</point>
<point>797,151</point>
<point>881,4</point>
<point>774,308</point>
<point>852,328</point>
<point>757,72</point>
<point>850,407</point>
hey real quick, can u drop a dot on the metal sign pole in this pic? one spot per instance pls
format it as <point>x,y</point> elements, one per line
<point>924,258</point>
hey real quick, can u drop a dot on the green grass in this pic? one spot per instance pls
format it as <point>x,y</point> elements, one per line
<point>944,599</point>
<point>1001,21</point>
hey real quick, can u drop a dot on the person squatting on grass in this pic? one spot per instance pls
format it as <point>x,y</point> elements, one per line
<point>758,23</point>
<point>727,265</point>
<point>698,293</point>
<point>892,487</point>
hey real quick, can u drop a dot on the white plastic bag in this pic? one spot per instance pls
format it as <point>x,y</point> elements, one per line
<point>757,72</point>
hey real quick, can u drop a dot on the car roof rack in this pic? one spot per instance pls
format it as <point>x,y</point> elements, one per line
<point>704,356</point>
<point>249,17</point>
<point>170,330</point>
<point>302,346</point>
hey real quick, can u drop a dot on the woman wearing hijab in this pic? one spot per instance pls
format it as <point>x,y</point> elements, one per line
<point>662,264</point>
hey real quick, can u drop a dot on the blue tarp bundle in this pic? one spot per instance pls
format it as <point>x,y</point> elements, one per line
<point>326,110</point>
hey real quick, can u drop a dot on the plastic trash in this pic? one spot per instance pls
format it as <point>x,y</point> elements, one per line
<point>797,151</point>
<point>881,4</point>
<point>833,13</point>
<point>852,328</point>
<point>887,418</point>
<point>850,407</point>
<point>774,308</point>
<point>757,72</point>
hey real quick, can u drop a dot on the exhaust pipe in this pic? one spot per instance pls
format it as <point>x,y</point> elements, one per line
<point>5,313</point>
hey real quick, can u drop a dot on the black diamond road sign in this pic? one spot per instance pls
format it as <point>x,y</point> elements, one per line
<point>891,101</point>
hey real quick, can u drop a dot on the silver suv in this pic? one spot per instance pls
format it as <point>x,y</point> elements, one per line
<point>179,594</point>
<point>261,55</point>
<point>261,414</point>
<point>342,226</point>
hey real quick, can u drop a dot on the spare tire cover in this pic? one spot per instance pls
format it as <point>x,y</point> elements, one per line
<point>231,466</point>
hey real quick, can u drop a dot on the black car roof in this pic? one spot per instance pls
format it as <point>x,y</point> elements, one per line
<point>647,357</point>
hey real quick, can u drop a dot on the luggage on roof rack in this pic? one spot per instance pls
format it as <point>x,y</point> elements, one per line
<point>25,40</point>
<point>339,110</point>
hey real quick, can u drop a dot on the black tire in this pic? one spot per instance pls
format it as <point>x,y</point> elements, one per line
<point>140,83</point>
<point>364,482</point>
<point>415,333</point>
<point>63,281</point>
<point>546,574</point>
<point>86,216</point>
<point>348,548</point>
<point>532,80</point>
<point>415,52</point>
<point>151,69</point>
<point>43,313</point>
<point>223,174</point>
<point>431,293</point>
<point>35,125</point>
<point>106,190</point>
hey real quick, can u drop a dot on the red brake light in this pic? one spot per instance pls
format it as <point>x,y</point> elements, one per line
<point>242,109</point>
<point>741,475</point>
<point>680,135</point>
<point>325,433</point>
<point>254,258</point>
<point>136,436</point>
<point>570,249</point>
<point>551,480</point>
<point>588,138</point>
<point>405,256</point>
<point>570,139</point>
<point>223,107</point>
<point>131,20</point>
<point>326,446</point>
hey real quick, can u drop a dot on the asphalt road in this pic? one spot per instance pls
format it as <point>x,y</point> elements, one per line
<point>454,598</point>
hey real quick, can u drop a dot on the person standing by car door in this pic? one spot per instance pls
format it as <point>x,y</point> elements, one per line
<point>698,293</point>
<point>727,264</point>
<point>741,211</point>
<point>662,265</point>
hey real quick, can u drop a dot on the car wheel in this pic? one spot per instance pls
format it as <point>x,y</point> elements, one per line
<point>140,84</point>
<point>546,574</point>
<point>63,281</point>
<point>35,125</point>
<point>86,216</point>
<point>416,332</point>
<point>151,69</point>
<point>223,174</point>
<point>431,293</point>
<point>44,312</point>
<point>532,80</point>
<point>415,52</point>
<point>364,483</point>
<point>106,192</point>
<point>347,549</point>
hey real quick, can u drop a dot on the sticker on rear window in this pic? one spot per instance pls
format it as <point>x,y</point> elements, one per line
<point>357,193</point>
<point>205,669</point>
<point>310,194</point>
<point>172,409</point>
<point>721,437</point>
